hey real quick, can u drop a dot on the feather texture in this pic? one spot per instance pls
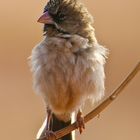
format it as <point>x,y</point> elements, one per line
<point>67,72</point>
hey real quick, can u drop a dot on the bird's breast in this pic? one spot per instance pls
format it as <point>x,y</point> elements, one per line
<point>64,72</point>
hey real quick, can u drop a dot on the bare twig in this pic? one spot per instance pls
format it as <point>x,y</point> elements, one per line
<point>100,108</point>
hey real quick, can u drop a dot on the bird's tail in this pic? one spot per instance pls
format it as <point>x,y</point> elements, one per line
<point>56,124</point>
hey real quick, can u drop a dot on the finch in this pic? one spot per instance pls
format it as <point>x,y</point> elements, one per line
<point>68,64</point>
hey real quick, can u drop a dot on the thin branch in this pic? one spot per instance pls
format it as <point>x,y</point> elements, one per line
<point>100,108</point>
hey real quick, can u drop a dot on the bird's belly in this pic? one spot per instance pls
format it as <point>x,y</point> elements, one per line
<point>65,77</point>
<point>67,84</point>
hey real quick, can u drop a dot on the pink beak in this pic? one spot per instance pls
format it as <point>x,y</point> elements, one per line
<point>45,18</point>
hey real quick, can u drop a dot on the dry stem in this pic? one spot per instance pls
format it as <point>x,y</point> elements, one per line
<point>100,108</point>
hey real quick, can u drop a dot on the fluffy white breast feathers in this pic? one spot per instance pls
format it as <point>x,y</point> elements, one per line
<point>67,71</point>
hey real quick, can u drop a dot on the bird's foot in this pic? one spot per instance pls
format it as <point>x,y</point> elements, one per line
<point>50,135</point>
<point>80,122</point>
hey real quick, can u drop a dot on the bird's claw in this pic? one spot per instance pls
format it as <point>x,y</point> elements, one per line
<point>80,122</point>
<point>50,135</point>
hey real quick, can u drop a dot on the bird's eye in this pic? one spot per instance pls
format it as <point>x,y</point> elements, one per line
<point>61,17</point>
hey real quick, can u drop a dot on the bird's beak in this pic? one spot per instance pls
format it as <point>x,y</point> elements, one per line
<point>45,18</point>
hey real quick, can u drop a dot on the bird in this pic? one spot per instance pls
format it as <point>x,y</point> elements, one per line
<point>68,64</point>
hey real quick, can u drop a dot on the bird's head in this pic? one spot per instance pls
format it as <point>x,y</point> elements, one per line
<point>67,16</point>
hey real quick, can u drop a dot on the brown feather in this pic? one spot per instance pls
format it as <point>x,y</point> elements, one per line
<point>68,68</point>
<point>67,72</point>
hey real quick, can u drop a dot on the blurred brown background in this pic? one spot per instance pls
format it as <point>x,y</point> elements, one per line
<point>22,112</point>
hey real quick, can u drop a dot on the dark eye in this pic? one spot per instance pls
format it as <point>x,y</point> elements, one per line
<point>61,16</point>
